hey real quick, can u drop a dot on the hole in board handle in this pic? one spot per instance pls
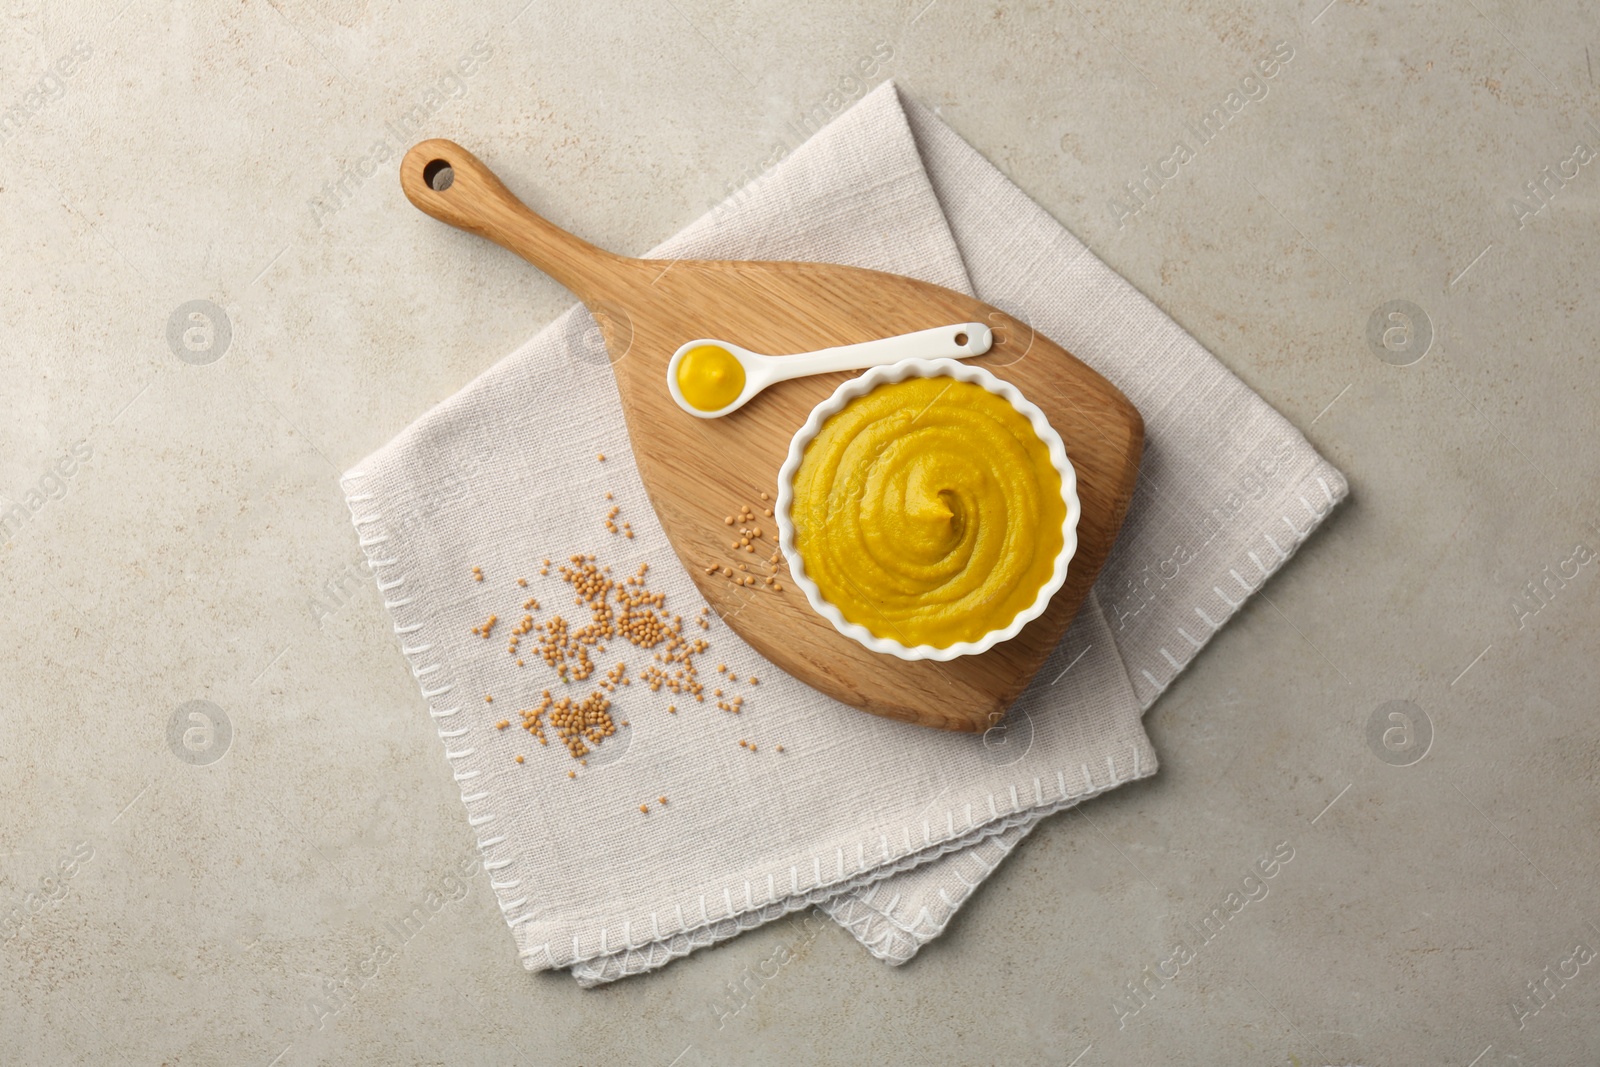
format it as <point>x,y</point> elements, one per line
<point>438,175</point>
<point>961,338</point>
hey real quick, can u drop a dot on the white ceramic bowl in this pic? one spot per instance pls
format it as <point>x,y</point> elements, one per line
<point>899,372</point>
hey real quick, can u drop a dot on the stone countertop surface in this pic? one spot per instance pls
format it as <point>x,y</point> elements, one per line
<point>218,783</point>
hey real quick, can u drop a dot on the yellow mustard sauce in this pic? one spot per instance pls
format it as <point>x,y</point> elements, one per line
<point>928,511</point>
<point>710,378</point>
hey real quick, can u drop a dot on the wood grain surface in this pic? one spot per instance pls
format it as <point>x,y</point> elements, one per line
<point>698,471</point>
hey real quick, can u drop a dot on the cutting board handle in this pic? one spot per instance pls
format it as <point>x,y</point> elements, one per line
<point>446,181</point>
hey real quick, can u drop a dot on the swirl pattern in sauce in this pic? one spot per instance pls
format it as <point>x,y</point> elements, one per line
<point>928,511</point>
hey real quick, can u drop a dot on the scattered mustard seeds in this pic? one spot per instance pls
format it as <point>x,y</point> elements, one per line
<point>749,535</point>
<point>579,724</point>
<point>617,607</point>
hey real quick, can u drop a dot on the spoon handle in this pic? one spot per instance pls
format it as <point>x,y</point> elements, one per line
<point>956,341</point>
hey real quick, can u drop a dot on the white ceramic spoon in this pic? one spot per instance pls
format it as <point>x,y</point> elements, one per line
<point>942,342</point>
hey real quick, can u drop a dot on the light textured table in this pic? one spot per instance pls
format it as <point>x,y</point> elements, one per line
<point>215,299</point>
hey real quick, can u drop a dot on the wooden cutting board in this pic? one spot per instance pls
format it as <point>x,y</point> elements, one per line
<point>699,471</point>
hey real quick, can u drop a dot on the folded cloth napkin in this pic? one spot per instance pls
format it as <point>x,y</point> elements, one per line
<point>888,827</point>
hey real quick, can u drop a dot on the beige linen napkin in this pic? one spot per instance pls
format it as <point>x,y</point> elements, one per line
<point>889,827</point>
